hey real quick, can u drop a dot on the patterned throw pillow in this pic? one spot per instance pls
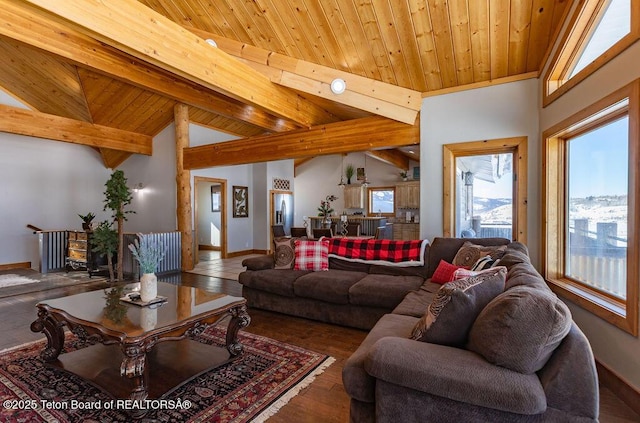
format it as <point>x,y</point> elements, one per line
<point>283,252</point>
<point>312,255</point>
<point>462,273</point>
<point>485,262</point>
<point>444,272</point>
<point>455,307</point>
<point>470,253</point>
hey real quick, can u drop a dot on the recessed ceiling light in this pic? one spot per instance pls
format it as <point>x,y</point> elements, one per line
<point>211,42</point>
<point>338,86</point>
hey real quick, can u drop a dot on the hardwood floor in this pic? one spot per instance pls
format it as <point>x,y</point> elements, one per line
<point>325,400</point>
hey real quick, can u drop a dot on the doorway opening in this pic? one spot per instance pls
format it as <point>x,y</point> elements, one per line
<point>485,189</point>
<point>281,211</point>
<point>210,216</point>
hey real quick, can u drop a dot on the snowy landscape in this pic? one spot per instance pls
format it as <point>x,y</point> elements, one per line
<point>610,208</point>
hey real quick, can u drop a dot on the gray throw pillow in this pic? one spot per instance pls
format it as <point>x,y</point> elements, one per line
<point>520,328</point>
<point>456,306</point>
<point>284,253</point>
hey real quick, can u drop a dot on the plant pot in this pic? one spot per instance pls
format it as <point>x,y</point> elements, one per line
<point>148,287</point>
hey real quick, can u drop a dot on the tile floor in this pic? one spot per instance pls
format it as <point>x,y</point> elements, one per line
<point>210,264</point>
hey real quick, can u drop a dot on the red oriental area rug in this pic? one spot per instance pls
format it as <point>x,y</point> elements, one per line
<point>251,388</point>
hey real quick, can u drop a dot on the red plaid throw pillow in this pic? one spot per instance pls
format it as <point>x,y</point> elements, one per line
<point>312,255</point>
<point>444,272</point>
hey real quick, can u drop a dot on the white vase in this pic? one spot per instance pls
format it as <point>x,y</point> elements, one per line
<point>148,287</point>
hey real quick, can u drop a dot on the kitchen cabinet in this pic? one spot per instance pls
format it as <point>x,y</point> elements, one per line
<point>353,197</point>
<point>406,231</point>
<point>408,195</point>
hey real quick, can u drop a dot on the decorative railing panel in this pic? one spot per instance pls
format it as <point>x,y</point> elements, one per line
<point>172,261</point>
<point>51,248</point>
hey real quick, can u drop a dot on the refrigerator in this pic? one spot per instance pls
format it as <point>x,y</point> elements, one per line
<point>282,211</point>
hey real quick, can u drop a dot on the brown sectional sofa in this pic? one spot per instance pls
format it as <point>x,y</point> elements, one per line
<point>392,378</point>
<point>349,294</point>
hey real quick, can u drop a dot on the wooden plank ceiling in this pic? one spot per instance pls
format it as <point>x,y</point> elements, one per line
<point>84,60</point>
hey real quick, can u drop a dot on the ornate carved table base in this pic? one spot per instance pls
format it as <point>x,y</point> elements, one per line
<point>51,322</point>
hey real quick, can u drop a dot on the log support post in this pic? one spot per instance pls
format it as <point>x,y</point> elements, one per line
<point>183,185</point>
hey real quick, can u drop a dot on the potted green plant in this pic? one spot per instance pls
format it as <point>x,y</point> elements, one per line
<point>349,171</point>
<point>118,195</point>
<point>148,252</point>
<point>86,220</point>
<point>104,240</point>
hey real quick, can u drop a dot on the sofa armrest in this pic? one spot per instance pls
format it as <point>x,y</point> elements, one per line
<point>262,262</point>
<point>454,373</point>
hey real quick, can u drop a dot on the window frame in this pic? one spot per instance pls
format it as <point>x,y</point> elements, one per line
<point>623,314</point>
<point>579,29</point>
<point>386,188</point>
<point>516,146</point>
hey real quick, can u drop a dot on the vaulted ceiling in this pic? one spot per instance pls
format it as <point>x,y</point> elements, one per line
<point>109,74</point>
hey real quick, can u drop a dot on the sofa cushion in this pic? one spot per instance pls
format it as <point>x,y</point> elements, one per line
<point>456,306</point>
<point>311,255</point>
<point>331,286</point>
<point>357,382</point>
<point>383,290</point>
<point>283,253</point>
<point>416,302</point>
<point>338,264</point>
<point>275,281</point>
<point>520,328</point>
<point>470,253</point>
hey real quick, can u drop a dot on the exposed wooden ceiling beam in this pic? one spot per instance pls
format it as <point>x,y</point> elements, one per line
<point>392,157</point>
<point>34,27</point>
<point>342,137</point>
<point>143,33</point>
<point>367,94</point>
<point>113,158</point>
<point>35,124</point>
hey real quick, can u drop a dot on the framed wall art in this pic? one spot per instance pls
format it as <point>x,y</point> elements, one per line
<point>240,201</point>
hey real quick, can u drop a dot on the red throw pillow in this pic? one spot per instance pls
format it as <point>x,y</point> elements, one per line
<point>444,272</point>
<point>312,255</point>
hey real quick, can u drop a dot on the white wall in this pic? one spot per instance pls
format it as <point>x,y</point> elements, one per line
<point>155,204</point>
<point>209,224</point>
<point>46,184</point>
<point>615,348</point>
<point>320,176</point>
<point>500,111</point>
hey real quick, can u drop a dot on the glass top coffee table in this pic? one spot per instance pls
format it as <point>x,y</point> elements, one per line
<point>134,339</point>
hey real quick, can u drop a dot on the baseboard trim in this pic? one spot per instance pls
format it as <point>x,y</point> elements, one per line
<point>23,265</point>
<point>208,248</point>
<point>245,252</point>
<point>619,386</point>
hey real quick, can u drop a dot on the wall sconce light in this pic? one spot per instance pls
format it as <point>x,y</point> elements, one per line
<point>211,42</point>
<point>138,187</point>
<point>338,86</point>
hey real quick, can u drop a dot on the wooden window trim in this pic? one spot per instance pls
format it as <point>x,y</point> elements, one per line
<point>374,213</point>
<point>555,82</point>
<point>624,315</point>
<point>517,146</point>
